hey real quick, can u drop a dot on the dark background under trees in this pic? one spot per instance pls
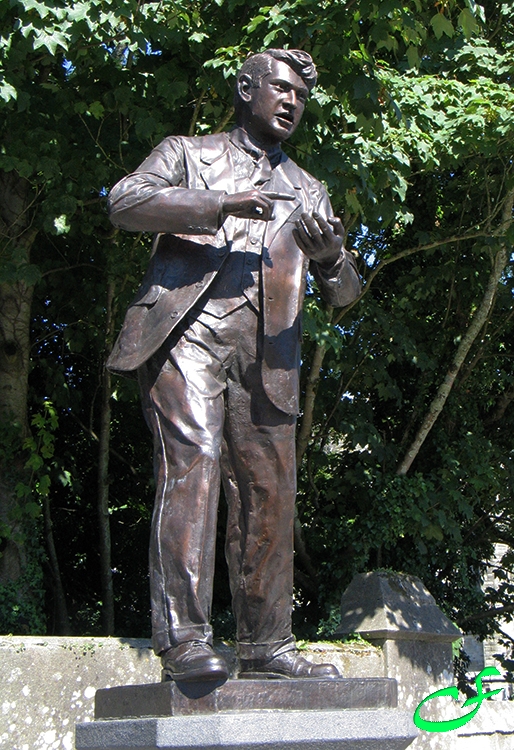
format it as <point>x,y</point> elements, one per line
<point>406,436</point>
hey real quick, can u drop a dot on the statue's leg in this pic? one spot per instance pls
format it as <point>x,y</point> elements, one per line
<point>182,394</point>
<point>259,479</point>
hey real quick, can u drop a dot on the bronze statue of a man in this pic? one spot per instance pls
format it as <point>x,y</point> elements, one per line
<point>214,334</point>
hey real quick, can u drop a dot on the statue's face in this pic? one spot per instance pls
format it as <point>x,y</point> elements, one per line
<point>275,108</point>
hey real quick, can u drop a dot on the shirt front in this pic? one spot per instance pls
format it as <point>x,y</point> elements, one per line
<point>239,278</point>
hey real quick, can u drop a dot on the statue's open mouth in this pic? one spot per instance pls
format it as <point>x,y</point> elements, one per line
<point>285,118</point>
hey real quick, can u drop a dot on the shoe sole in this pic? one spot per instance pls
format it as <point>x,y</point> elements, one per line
<point>194,676</point>
<point>263,676</point>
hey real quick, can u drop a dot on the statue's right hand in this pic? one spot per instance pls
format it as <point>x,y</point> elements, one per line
<point>249,205</point>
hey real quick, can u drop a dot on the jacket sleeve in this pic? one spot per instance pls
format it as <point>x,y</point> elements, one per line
<point>154,199</point>
<point>339,283</point>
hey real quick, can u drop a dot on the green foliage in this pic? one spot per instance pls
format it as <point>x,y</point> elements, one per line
<point>22,610</point>
<point>22,599</point>
<point>40,447</point>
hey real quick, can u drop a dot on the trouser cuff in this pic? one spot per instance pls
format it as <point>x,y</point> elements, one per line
<point>247,651</point>
<point>162,641</point>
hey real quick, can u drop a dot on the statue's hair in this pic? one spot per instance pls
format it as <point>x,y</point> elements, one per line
<point>259,65</point>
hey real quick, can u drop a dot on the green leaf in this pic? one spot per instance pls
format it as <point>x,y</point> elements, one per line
<point>61,224</point>
<point>34,462</point>
<point>271,36</point>
<point>254,23</point>
<point>41,9</point>
<point>198,36</point>
<point>413,57</point>
<point>468,23</point>
<point>50,41</point>
<point>65,478</point>
<point>43,485</point>
<point>478,11</point>
<point>353,202</point>
<point>33,509</point>
<point>22,490</point>
<point>97,110</point>
<point>442,25</point>
<point>7,91</point>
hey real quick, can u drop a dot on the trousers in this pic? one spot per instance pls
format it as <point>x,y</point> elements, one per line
<point>212,422</point>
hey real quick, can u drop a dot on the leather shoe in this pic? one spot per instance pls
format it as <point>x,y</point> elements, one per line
<point>287,665</point>
<point>194,661</point>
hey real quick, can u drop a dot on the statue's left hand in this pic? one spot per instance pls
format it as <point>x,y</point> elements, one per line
<point>319,239</point>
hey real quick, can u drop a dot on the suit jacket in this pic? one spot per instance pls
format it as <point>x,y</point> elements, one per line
<point>177,193</point>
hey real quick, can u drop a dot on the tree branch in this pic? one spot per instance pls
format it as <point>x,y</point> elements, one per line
<point>225,120</point>
<point>405,254</point>
<point>477,323</point>
<point>493,612</point>
<point>194,119</point>
<point>92,434</point>
<point>302,441</point>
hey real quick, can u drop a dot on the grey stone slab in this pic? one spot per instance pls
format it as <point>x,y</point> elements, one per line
<point>387,605</point>
<point>171,699</point>
<point>383,729</point>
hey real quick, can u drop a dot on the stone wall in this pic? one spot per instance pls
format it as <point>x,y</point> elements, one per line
<point>48,684</point>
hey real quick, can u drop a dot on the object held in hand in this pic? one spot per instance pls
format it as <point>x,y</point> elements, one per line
<point>278,196</point>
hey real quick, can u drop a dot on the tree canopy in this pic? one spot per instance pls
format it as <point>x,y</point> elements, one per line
<point>405,440</point>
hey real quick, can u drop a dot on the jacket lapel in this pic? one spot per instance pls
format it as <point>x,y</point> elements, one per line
<point>217,172</point>
<point>285,180</point>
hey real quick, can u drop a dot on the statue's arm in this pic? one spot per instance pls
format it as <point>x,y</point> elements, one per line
<point>153,199</point>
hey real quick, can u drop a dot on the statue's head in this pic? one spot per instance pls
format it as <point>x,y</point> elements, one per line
<point>271,91</point>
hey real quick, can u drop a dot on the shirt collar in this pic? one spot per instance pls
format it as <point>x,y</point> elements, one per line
<point>244,141</point>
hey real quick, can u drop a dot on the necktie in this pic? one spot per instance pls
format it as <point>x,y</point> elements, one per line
<point>262,172</point>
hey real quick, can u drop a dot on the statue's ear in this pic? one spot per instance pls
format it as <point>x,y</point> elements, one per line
<point>244,88</point>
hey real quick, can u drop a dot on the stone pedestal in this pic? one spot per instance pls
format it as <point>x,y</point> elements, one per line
<point>396,611</point>
<point>254,730</point>
<point>185,699</point>
<point>343,714</point>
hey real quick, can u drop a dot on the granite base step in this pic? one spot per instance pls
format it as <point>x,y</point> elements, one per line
<point>342,714</point>
<point>372,729</point>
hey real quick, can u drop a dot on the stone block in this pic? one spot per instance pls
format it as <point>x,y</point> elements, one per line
<point>396,612</point>
<point>384,729</point>
<point>383,605</point>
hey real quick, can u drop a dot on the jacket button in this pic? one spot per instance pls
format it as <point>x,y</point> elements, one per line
<point>174,314</point>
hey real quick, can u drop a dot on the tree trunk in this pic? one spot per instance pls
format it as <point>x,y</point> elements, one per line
<point>16,240</point>
<point>15,317</point>
<point>61,619</point>
<point>302,442</point>
<point>304,433</point>
<point>103,478</point>
<point>477,322</point>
